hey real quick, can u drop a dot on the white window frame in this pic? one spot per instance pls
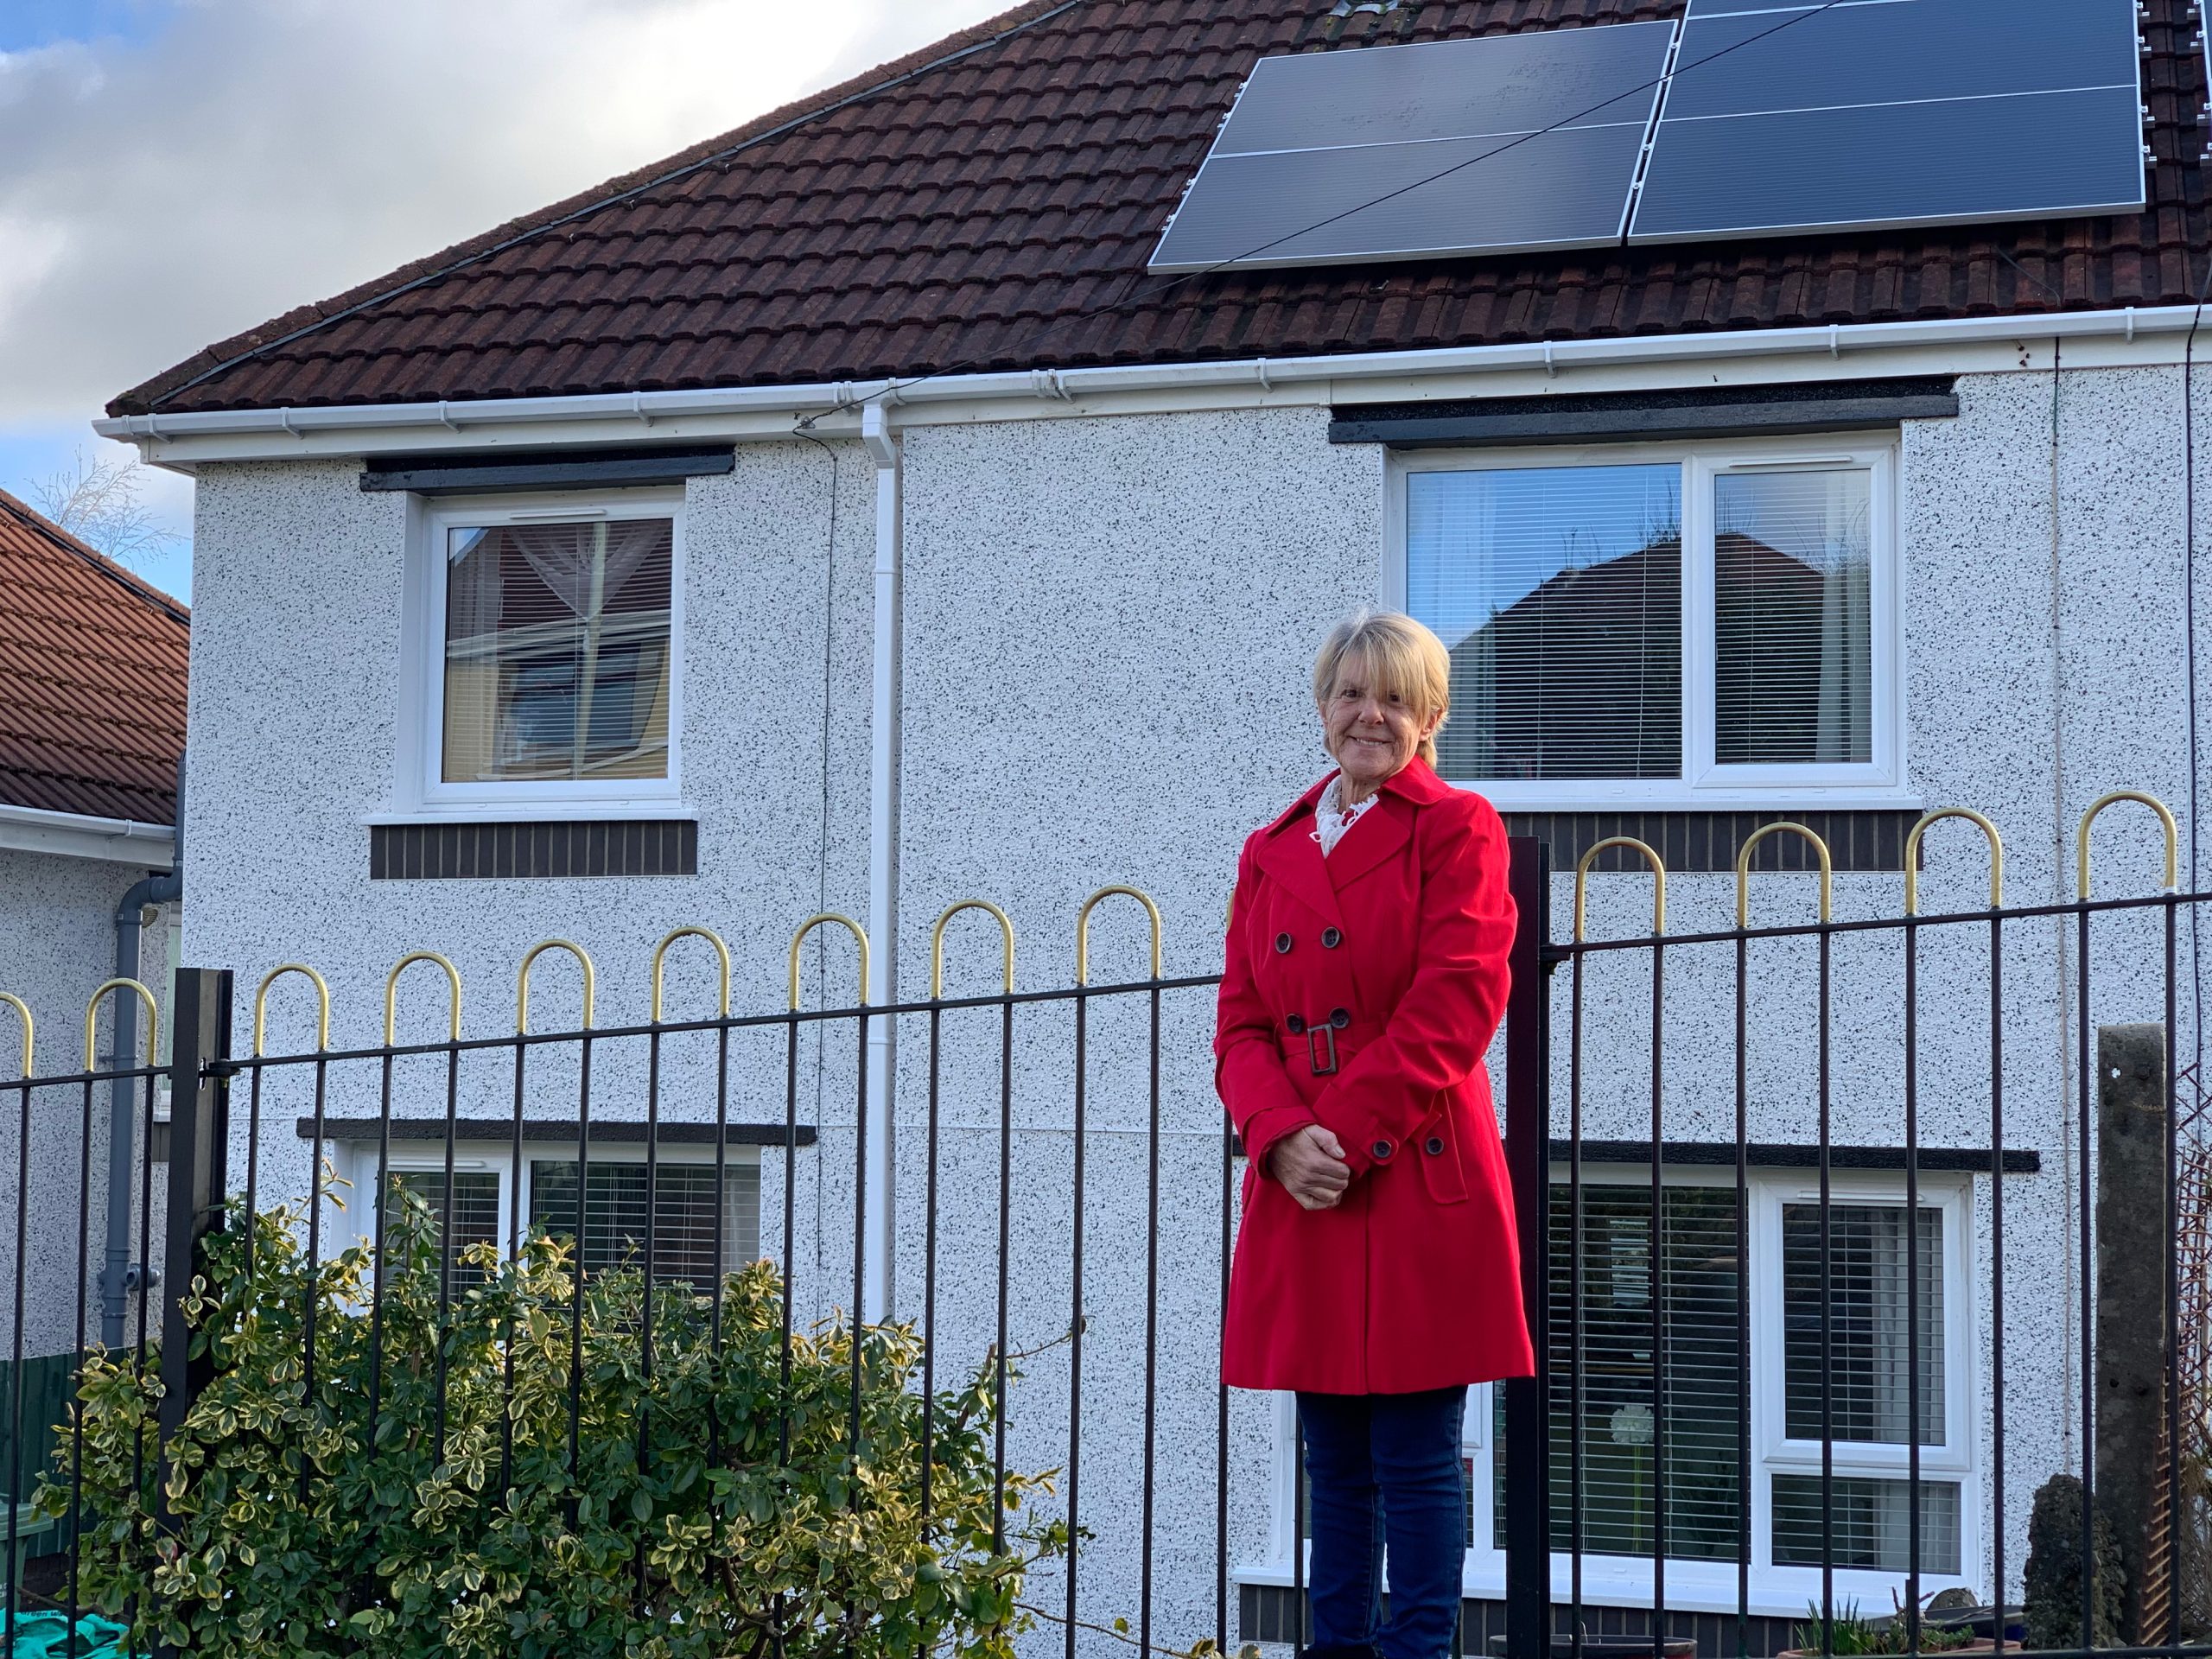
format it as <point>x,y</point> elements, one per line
<point>1710,1587</point>
<point>1775,1454</point>
<point>357,1162</point>
<point>422,791</point>
<point>1705,785</point>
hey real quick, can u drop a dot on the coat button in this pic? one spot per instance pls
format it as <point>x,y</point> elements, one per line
<point>1330,939</point>
<point>1435,1145</point>
<point>1282,944</point>
<point>1381,1150</point>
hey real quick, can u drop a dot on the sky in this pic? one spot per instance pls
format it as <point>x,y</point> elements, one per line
<point>180,171</point>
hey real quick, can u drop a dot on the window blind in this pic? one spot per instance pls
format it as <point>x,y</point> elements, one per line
<point>1622,1443</point>
<point>475,1216</point>
<point>684,1215</point>
<point>1871,1524</point>
<point>1557,591</point>
<point>1793,627</point>
<point>1867,1361</point>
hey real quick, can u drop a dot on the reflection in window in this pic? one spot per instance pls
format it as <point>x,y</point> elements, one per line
<point>1793,675</point>
<point>1559,591</point>
<point>557,651</point>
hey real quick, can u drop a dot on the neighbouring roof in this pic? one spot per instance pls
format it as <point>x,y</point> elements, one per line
<point>989,204</point>
<point>91,677</point>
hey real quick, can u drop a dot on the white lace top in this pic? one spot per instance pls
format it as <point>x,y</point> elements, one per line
<point>1332,819</point>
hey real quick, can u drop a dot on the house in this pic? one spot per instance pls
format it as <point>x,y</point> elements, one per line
<point>841,516</point>
<point>91,739</point>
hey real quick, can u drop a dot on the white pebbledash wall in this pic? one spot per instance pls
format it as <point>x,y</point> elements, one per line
<point>1107,628</point>
<point>57,920</point>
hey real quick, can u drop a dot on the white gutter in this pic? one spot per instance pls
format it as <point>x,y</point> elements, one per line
<point>637,414</point>
<point>884,715</point>
<point>71,835</point>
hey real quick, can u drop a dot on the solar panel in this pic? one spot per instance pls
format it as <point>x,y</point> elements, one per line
<point>1513,143</point>
<point>1876,113</point>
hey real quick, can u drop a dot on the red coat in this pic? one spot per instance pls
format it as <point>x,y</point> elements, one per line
<point>1413,1279</point>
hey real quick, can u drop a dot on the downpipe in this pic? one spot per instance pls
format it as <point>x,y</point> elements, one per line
<point>121,1278</point>
<point>882,857</point>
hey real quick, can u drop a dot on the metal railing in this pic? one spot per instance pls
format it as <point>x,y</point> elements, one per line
<point>1008,1244</point>
<point>1700,983</point>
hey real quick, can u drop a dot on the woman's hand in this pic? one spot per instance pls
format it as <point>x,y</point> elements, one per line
<point>1309,1164</point>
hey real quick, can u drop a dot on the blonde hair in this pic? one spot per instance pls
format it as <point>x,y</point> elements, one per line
<point>1404,659</point>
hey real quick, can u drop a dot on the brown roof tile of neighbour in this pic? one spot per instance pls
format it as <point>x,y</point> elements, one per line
<point>990,203</point>
<point>92,678</point>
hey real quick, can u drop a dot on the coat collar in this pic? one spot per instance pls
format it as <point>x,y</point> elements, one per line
<point>1290,853</point>
<point>1416,781</point>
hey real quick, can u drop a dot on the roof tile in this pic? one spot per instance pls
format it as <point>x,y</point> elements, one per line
<point>989,203</point>
<point>92,678</point>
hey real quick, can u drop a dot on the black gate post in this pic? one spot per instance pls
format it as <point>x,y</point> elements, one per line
<point>1527,1154</point>
<point>199,1170</point>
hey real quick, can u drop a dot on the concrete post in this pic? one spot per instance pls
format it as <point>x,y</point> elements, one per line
<point>2130,1292</point>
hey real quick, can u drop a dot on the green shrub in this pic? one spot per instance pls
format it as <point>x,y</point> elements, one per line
<point>709,1508</point>
<point>1851,1633</point>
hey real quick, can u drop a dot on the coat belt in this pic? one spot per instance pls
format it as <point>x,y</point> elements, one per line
<point>1320,1037</point>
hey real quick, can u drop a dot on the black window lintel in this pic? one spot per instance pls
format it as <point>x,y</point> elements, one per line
<point>1627,417</point>
<point>478,473</point>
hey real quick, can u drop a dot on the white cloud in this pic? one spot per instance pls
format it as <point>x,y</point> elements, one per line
<point>255,155</point>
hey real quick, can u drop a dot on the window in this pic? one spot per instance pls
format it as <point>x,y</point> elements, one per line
<point>1622,1454</point>
<point>685,1216</point>
<point>1706,626</point>
<point>550,651</point>
<point>473,1216</point>
<point>615,1215</point>
<point>1859,1371</point>
<point>1865,1376</point>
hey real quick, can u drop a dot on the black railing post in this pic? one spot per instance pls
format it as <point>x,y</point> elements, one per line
<point>1528,1152</point>
<point>199,1172</point>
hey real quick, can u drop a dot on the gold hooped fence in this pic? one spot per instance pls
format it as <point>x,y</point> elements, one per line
<point>1649,856</point>
<point>1825,862</point>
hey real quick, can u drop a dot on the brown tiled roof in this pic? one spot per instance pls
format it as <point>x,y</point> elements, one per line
<point>990,203</point>
<point>91,677</point>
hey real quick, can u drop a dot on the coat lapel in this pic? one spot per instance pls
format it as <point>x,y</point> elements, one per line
<point>1380,835</point>
<point>1376,839</point>
<point>1292,856</point>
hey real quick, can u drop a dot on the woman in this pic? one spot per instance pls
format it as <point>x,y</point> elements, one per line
<point>1376,1271</point>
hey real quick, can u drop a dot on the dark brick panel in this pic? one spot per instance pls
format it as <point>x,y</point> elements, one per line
<point>1860,841</point>
<point>429,852</point>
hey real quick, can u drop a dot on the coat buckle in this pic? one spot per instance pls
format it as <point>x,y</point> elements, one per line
<point>1320,1039</point>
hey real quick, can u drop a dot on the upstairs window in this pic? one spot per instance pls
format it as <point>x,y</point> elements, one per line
<point>1709,626</point>
<point>555,671</point>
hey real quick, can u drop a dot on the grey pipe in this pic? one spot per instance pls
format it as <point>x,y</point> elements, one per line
<point>120,1278</point>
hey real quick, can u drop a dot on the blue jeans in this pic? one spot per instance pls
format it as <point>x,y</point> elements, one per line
<point>1385,1467</point>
